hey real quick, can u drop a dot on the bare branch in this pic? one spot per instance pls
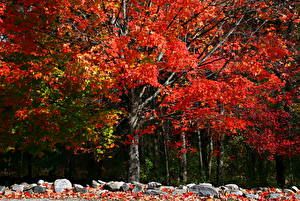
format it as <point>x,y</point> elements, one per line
<point>222,41</point>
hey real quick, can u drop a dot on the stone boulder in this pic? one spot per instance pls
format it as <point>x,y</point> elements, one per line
<point>79,188</point>
<point>138,187</point>
<point>116,186</point>
<point>190,185</point>
<point>232,187</point>
<point>60,185</point>
<point>251,196</point>
<point>40,182</point>
<point>2,189</point>
<point>7,192</point>
<point>223,189</point>
<point>236,192</point>
<point>17,187</point>
<point>288,191</point>
<point>154,185</point>
<point>32,185</point>
<point>172,188</point>
<point>179,191</point>
<point>39,189</point>
<point>101,182</point>
<point>95,184</point>
<point>295,189</point>
<point>275,195</point>
<point>100,192</point>
<point>182,187</point>
<point>205,184</point>
<point>154,192</point>
<point>206,191</point>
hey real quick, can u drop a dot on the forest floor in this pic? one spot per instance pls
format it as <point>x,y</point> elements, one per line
<point>124,196</point>
<point>62,190</point>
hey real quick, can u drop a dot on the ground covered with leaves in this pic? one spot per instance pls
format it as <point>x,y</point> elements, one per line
<point>269,194</point>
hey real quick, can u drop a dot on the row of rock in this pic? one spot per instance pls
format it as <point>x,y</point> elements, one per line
<point>153,188</point>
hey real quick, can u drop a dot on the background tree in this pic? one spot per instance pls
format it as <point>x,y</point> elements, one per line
<point>74,68</point>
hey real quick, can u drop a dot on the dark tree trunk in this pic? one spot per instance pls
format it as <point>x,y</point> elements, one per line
<point>280,177</point>
<point>201,165</point>
<point>134,161</point>
<point>156,154</point>
<point>134,158</point>
<point>221,150</point>
<point>209,155</point>
<point>166,141</point>
<point>183,159</point>
<point>220,161</point>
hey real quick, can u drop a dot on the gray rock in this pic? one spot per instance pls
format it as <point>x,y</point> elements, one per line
<point>219,190</point>
<point>39,189</point>
<point>78,186</point>
<point>137,183</point>
<point>138,188</point>
<point>295,189</point>
<point>60,185</point>
<point>167,188</point>
<point>204,191</point>
<point>95,184</point>
<point>26,186</point>
<point>182,187</point>
<point>297,196</point>
<point>288,191</point>
<point>30,191</point>
<point>232,187</point>
<point>8,192</point>
<point>32,185</point>
<point>154,185</point>
<point>79,189</point>
<point>2,189</point>
<point>116,186</point>
<point>179,191</point>
<point>101,182</point>
<point>275,195</point>
<point>236,192</point>
<point>190,185</point>
<point>224,189</point>
<point>101,192</point>
<point>154,192</point>
<point>17,187</point>
<point>126,187</point>
<point>251,196</point>
<point>40,182</point>
<point>205,184</point>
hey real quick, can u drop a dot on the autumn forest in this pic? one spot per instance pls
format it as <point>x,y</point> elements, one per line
<point>174,91</point>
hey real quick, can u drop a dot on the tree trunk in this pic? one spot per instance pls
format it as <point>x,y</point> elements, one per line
<point>156,154</point>
<point>280,171</point>
<point>166,140</point>
<point>134,161</point>
<point>220,160</point>
<point>220,147</point>
<point>183,159</point>
<point>134,158</point>
<point>201,165</point>
<point>209,152</point>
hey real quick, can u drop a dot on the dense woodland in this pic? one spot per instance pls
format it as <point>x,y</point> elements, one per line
<point>174,91</point>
